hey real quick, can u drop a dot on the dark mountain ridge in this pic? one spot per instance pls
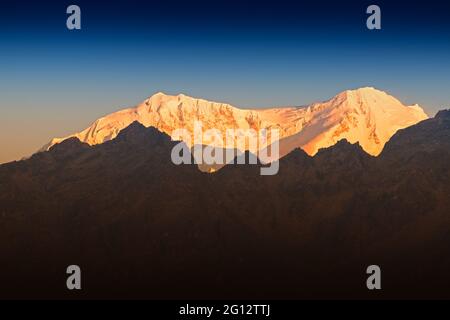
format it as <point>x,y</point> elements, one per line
<point>140,226</point>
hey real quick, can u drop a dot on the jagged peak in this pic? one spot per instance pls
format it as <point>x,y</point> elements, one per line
<point>132,128</point>
<point>158,94</point>
<point>363,92</point>
<point>368,90</point>
<point>297,153</point>
<point>182,97</point>
<point>136,131</point>
<point>343,145</point>
<point>443,114</point>
<point>68,146</point>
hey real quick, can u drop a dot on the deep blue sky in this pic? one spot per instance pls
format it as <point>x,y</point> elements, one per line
<point>249,53</point>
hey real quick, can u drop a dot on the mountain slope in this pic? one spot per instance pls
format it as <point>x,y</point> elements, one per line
<point>365,115</point>
<point>123,211</point>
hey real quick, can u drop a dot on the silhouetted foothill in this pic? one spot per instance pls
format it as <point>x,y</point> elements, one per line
<point>431,135</point>
<point>141,227</point>
<point>136,133</point>
<point>68,146</point>
<point>443,114</point>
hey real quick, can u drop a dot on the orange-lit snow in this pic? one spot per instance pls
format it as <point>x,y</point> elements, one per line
<point>366,115</point>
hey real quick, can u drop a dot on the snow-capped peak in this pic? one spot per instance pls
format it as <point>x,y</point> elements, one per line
<point>365,115</point>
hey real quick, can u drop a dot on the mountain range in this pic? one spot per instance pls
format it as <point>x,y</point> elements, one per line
<point>366,115</point>
<point>140,226</point>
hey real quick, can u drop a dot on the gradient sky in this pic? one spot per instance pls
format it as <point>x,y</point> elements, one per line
<point>54,82</point>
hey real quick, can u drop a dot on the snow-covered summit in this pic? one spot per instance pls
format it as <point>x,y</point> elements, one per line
<point>365,115</point>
